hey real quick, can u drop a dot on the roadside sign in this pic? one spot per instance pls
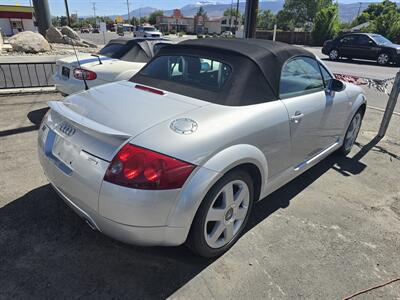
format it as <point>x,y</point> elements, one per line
<point>119,19</point>
<point>103,27</point>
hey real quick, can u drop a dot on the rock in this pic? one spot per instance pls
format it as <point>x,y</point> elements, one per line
<point>53,35</point>
<point>68,31</point>
<point>70,41</point>
<point>29,42</point>
<point>89,44</point>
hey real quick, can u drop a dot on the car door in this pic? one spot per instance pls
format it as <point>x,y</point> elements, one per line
<point>347,46</point>
<point>302,91</point>
<point>336,109</point>
<point>366,47</point>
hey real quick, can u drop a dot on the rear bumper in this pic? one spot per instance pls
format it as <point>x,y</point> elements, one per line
<point>144,236</point>
<point>138,217</point>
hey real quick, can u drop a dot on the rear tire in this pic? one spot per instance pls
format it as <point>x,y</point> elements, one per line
<point>222,216</point>
<point>334,54</point>
<point>351,133</point>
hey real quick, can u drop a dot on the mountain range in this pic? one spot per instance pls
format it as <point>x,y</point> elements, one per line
<point>347,12</point>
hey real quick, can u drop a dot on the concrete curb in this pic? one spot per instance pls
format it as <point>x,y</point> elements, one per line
<point>50,89</point>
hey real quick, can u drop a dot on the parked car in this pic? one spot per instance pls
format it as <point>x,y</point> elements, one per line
<point>227,34</point>
<point>85,30</point>
<point>96,30</point>
<point>367,46</point>
<point>181,151</point>
<point>147,31</point>
<point>120,59</point>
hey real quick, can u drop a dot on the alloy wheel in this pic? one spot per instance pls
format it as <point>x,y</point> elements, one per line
<point>227,214</point>
<point>383,59</point>
<point>352,132</point>
<point>334,54</point>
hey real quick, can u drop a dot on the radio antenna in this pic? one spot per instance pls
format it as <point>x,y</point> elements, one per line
<point>79,63</point>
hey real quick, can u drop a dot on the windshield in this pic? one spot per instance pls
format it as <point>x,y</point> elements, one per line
<point>380,40</point>
<point>193,71</point>
<point>150,28</point>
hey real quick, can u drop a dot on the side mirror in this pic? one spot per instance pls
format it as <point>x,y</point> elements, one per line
<point>335,86</point>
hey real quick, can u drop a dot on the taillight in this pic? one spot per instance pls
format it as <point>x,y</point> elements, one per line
<point>141,168</point>
<point>81,74</point>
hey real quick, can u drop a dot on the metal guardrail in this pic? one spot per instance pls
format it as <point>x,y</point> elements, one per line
<point>26,75</point>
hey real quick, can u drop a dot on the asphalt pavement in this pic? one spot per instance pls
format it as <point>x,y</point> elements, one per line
<point>331,232</point>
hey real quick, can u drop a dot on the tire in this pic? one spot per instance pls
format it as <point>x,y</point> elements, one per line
<point>209,238</point>
<point>383,59</point>
<point>349,141</point>
<point>334,54</point>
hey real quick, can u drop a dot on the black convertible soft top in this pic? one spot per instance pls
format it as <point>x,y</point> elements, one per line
<point>257,66</point>
<point>268,55</point>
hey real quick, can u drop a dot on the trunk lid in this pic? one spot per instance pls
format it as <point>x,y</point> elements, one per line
<point>109,115</point>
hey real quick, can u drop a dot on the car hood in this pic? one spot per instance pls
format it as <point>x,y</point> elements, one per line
<point>122,107</point>
<point>393,46</point>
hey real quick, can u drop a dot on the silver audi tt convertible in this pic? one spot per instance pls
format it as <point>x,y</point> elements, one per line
<point>180,152</point>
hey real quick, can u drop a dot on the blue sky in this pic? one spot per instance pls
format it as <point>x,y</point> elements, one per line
<point>116,7</point>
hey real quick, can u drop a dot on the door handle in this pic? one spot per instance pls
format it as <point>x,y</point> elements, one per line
<point>297,117</point>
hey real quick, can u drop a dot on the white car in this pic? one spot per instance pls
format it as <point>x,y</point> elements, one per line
<point>147,31</point>
<point>120,59</point>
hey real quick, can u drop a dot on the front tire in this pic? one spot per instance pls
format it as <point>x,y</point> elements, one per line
<point>223,215</point>
<point>383,59</point>
<point>351,133</point>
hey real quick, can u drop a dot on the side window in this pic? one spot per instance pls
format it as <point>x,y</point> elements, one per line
<point>300,76</point>
<point>363,40</point>
<point>325,75</point>
<point>347,40</point>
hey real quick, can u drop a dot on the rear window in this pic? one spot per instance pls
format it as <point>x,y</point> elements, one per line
<point>114,50</point>
<point>195,71</point>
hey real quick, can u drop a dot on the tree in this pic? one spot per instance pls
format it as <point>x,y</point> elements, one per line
<point>299,13</point>
<point>383,18</point>
<point>232,12</point>
<point>326,24</point>
<point>201,12</point>
<point>266,19</point>
<point>153,16</point>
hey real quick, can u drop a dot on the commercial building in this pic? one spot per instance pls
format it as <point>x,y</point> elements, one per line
<point>16,18</point>
<point>197,24</point>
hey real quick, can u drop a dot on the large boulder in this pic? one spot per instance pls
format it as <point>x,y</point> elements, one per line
<point>69,41</point>
<point>53,35</point>
<point>29,42</point>
<point>68,31</point>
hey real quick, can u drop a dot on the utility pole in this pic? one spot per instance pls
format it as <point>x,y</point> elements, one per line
<point>67,11</point>
<point>237,16</point>
<point>129,13</point>
<point>250,18</point>
<point>359,9</point>
<point>94,9</point>
<point>230,18</point>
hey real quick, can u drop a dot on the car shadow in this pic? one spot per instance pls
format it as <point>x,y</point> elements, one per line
<point>47,251</point>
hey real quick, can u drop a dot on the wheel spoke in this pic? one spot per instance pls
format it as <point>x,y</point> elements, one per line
<point>215,214</point>
<point>217,231</point>
<point>241,214</point>
<point>228,232</point>
<point>228,195</point>
<point>241,195</point>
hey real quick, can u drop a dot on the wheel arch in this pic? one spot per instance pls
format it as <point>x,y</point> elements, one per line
<point>245,157</point>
